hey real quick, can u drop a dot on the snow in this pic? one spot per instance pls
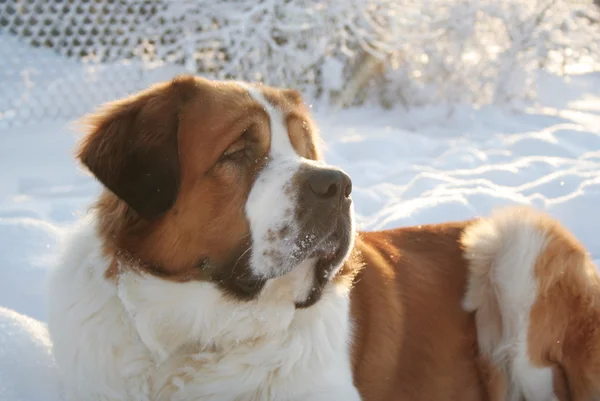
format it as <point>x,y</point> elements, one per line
<point>27,369</point>
<point>408,167</point>
<point>421,167</point>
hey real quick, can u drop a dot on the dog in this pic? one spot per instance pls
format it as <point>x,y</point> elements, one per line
<point>221,262</point>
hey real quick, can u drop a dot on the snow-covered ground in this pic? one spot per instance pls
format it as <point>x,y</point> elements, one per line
<point>408,168</point>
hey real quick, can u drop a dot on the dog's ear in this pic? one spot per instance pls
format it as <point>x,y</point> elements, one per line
<point>132,147</point>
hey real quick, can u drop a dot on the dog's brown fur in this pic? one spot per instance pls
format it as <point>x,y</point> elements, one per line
<point>413,340</point>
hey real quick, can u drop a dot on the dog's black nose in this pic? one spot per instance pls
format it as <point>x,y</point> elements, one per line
<point>329,184</point>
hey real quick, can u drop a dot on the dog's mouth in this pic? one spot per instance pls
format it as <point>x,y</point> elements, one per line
<point>328,246</point>
<point>327,243</point>
<point>328,251</point>
<point>329,257</point>
<point>326,267</point>
<point>326,262</point>
<point>332,250</point>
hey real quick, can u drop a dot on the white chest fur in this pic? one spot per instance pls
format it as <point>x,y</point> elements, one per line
<point>150,339</point>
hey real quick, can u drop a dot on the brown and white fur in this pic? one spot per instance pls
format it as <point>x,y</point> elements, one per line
<point>221,263</point>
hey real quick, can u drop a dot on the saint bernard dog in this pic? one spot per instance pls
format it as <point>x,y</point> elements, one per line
<point>221,263</point>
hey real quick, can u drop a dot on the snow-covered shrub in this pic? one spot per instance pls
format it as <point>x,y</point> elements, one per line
<point>488,51</point>
<point>302,43</point>
<point>476,51</point>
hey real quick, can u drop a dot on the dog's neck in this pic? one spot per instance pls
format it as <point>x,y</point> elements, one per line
<point>170,315</point>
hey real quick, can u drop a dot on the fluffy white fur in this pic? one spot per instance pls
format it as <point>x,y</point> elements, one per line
<point>502,288</point>
<point>95,343</point>
<point>150,339</point>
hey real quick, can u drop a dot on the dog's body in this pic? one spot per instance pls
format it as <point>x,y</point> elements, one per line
<point>221,264</point>
<point>414,340</point>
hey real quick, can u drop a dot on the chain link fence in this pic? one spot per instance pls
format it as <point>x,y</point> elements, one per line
<point>61,59</point>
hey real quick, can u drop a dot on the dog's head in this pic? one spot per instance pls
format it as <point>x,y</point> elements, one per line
<point>220,182</point>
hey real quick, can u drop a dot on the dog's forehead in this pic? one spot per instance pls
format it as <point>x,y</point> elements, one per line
<point>292,127</point>
<point>224,109</point>
<point>281,144</point>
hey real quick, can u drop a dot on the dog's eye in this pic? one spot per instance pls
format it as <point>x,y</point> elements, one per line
<point>235,150</point>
